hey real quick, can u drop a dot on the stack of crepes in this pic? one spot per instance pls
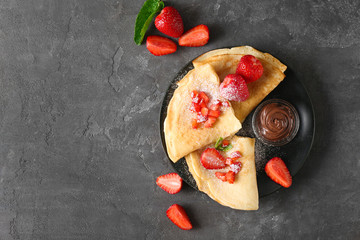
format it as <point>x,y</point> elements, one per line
<point>183,141</point>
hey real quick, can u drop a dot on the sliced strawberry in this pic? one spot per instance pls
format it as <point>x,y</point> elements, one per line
<point>235,155</point>
<point>194,124</point>
<point>195,37</point>
<point>234,88</point>
<point>235,167</point>
<point>210,122</point>
<point>170,183</point>
<point>212,159</point>
<point>215,106</point>
<point>230,177</point>
<point>204,111</point>
<point>225,143</point>
<point>159,46</point>
<point>194,107</point>
<point>194,94</point>
<point>214,113</point>
<point>170,22</point>
<point>229,161</point>
<point>221,176</point>
<point>278,172</point>
<point>178,216</point>
<point>203,96</point>
<point>250,68</point>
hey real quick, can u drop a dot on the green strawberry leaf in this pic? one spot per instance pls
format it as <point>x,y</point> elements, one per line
<point>143,19</point>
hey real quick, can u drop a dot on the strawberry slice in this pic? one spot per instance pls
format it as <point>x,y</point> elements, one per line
<point>214,113</point>
<point>212,159</point>
<point>278,172</point>
<point>210,122</point>
<point>229,161</point>
<point>235,167</point>
<point>221,176</point>
<point>194,94</point>
<point>194,124</point>
<point>203,96</point>
<point>195,37</point>
<point>204,111</point>
<point>215,107</point>
<point>194,107</point>
<point>159,46</point>
<point>178,216</point>
<point>170,183</point>
<point>230,177</point>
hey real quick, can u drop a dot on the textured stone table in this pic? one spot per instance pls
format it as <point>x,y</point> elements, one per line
<point>79,120</point>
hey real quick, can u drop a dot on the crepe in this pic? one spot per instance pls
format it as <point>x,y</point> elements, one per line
<point>243,193</point>
<point>225,61</point>
<point>180,138</point>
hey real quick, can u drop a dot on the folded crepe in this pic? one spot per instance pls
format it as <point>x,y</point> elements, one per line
<point>180,138</point>
<point>243,193</point>
<point>225,61</point>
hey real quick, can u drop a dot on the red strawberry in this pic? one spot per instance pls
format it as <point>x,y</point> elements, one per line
<point>225,143</point>
<point>171,182</point>
<point>234,88</point>
<point>230,177</point>
<point>204,111</point>
<point>194,124</point>
<point>195,37</point>
<point>170,22</point>
<point>212,159</point>
<point>178,216</point>
<point>229,161</point>
<point>250,68</point>
<point>214,113</point>
<point>278,172</point>
<point>203,96</point>
<point>215,106</point>
<point>210,122</point>
<point>235,167</point>
<point>195,107</point>
<point>159,46</point>
<point>221,176</point>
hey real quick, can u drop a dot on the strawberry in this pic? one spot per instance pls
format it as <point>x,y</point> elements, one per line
<point>235,155</point>
<point>234,88</point>
<point>204,111</point>
<point>230,177</point>
<point>221,176</point>
<point>203,96</point>
<point>194,94</point>
<point>250,68</point>
<point>194,107</point>
<point>194,124</point>
<point>225,143</point>
<point>178,216</point>
<point>195,37</point>
<point>212,159</point>
<point>170,22</point>
<point>215,106</point>
<point>159,46</point>
<point>235,167</point>
<point>170,183</point>
<point>210,122</point>
<point>278,172</point>
<point>214,113</point>
<point>229,161</point>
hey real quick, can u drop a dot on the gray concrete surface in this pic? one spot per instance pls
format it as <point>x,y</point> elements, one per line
<point>79,120</point>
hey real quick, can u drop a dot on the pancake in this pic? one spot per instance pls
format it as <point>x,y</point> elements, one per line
<point>225,61</point>
<point>180,138</point>
<point>243,194</point>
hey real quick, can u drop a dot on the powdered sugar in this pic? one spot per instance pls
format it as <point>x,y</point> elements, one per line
<point>201,118</point>
<point>235,168</point>
<point>235,154</point>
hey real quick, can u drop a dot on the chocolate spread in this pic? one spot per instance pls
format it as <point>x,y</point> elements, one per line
<point>276,122</point>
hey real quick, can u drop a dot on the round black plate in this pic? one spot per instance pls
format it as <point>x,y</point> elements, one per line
<point>294,153</point>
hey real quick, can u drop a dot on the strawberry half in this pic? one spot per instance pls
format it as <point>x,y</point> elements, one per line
<point>278,172</point>
<point>159,46</point>
<point>250,68</point>
<point>195,37</point>
<point>170,183</point>
<point>170,22</point>
<point>212,159</point>
<point>230,177</point>
<point>234,88</point>
<point>178,216</point>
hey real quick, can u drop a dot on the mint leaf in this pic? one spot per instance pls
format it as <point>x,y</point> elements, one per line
<point>218,142</point>
<point>227,148</point>
<point>144,17</point>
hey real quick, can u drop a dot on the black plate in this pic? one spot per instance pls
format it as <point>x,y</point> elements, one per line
<point>294,153</point>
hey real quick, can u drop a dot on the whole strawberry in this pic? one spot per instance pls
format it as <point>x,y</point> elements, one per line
<point>234,88</point>
<point>170,22</point>
<point>250,68</point>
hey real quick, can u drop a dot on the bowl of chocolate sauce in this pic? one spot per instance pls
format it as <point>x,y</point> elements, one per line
<point>275,122</point>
